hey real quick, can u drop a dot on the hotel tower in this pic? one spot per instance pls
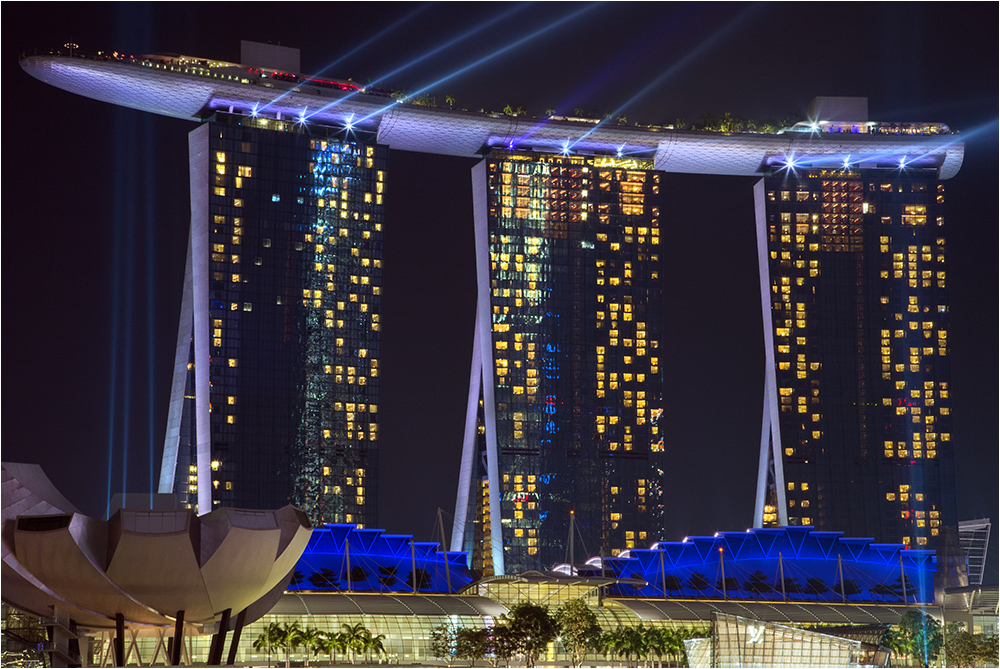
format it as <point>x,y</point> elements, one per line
<point>854,285</point>
<point>565,392</point>
<point>275,391</point>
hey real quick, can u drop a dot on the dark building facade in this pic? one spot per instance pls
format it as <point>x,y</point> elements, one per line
<point>566,380</point>
<point>275,392</point>
<point>857,423</point>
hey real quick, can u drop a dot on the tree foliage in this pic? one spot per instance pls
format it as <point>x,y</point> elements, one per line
<point>324,579</point>
<point>269,640</point>
<point>965,649</point>
<point>917,637</point>
<point>757,583</point>
<point>387,576</point>
<point>422,578</point>
<point>698,582</point>
<point>580,632</point>
<point>532,629</point>
<point>472,644</point>
<point>815,586</point>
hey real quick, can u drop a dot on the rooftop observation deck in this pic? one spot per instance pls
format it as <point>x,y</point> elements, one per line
<point>195,88</point>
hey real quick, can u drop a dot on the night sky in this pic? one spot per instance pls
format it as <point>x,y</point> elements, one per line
<point>86,183</point>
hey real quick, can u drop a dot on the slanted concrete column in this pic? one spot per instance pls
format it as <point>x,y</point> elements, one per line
<point>177,642</point>
<point>119,640</point>
<point>235,643</point>
<point>219,640</point>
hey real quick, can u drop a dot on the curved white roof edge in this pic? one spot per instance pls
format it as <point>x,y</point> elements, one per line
<point>467,134</point>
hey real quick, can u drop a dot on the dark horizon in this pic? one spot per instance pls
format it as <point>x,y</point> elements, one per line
<point>84,178</point>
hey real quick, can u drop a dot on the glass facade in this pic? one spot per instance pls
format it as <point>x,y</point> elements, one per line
<point>856,275</point>
<point>292,237</point>
<point>570,290</point>
<point>744,642</point>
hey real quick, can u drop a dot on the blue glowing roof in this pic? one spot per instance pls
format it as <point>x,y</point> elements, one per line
<point>812,564</point>
<point>341,558</point>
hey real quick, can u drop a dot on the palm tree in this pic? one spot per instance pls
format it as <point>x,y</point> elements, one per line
<point>675,643</point>
<point>688,633</point>
<point>272,638</point>
<point>355,638</point>
<point>374,645</point>
<point>635,643</point>
<point>334,643</point>
<point>323,645</point>
<point>312,640</point>
<point>657,643</point>
<point>291,640</point>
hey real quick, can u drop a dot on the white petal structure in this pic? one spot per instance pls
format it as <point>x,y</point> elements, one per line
<point>145,565</point>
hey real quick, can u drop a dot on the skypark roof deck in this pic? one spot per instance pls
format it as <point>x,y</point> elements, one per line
<point>194,89</point>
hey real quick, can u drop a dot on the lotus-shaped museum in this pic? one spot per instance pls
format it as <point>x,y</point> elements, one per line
<point>141,567</point>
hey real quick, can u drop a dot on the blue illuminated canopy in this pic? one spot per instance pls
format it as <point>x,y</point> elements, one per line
<point>342,558</point>
<point>788,563</point>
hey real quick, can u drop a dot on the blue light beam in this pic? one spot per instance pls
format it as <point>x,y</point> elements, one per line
<point>447,45</point>
<point>487,58</point>
<point>688,59</point>
<point>353,51</point>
